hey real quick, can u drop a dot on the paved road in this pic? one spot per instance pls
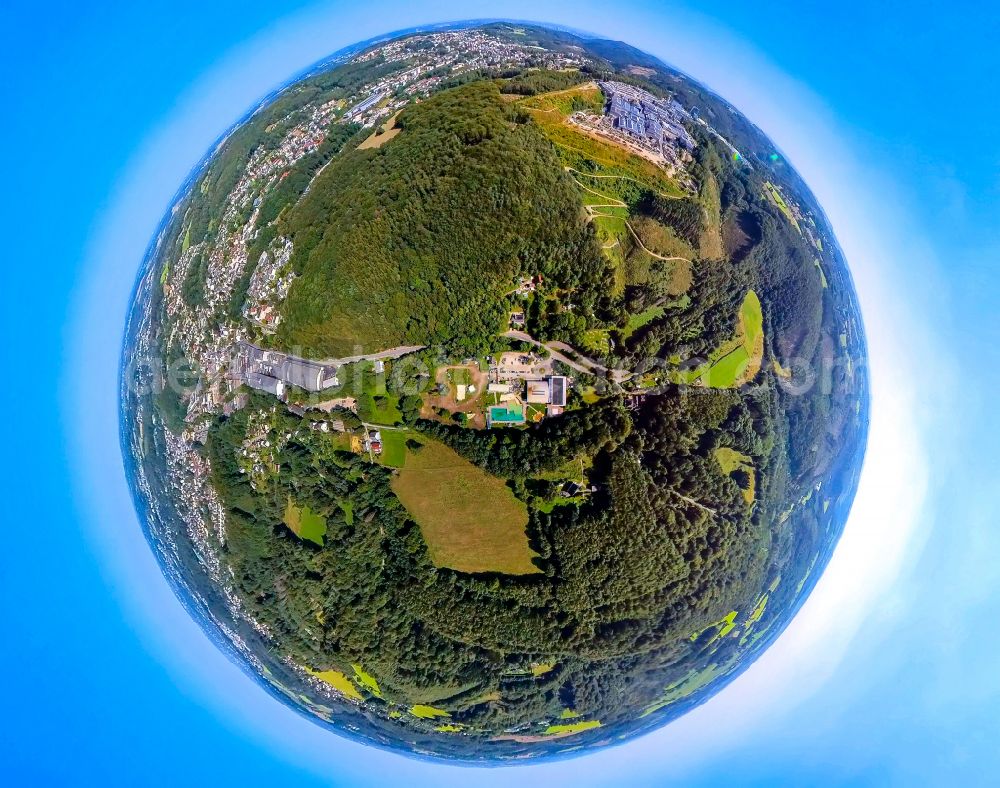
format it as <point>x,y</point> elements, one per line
<point>395,352</point>
<point>586,365</point>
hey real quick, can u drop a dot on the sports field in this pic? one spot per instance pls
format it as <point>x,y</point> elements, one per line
<point>469,519</point>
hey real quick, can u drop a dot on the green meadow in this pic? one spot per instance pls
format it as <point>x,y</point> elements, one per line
<point>737,361</point>
<point>305,523</point>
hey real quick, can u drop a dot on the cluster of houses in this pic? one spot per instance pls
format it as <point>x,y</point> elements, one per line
<point>529,284</point>
<point>373,441</point>
<point>335,425</point>
<point>269,284</point>
<point>433,57</point>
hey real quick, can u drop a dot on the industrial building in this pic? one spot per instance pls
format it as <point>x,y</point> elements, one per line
<point>259,367</point>
<point>549,391</point>
<point>645,117</point>
<point>362,107</point>
<point>307,375</point>
<point>265,383</point>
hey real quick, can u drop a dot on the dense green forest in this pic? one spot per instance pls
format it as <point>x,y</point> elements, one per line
<point>419,241</point>
<point>633,571</point>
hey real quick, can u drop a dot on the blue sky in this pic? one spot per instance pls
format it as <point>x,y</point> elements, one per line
<point>888,675</point>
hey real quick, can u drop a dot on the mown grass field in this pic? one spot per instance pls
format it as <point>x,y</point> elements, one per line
<point>774,193</point>
<point>393,448</point>
<point>460,376</point>
<point>737,361</point>
<point>305,523</point>
<point>381,409</point>
<point>382,135</point>
<point>469,519</point>
<point>731,460</point>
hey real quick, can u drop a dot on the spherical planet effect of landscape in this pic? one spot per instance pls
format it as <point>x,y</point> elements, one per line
<point>494,392</point>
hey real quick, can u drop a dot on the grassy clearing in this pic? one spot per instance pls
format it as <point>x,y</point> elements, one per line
<point>568,728</point>
<point>548,506</point>
<point>367,680</point>
<point>305,523</point>
<point>426,697</point>
<point>587,96</point>
<point>427,712</point>
<point>614,188</point>
<point>347,507</point>
<point>635,245</point>
<point>659,238</point>
<point>822,274</point>
<point>723,627</point>
<point>469,519</point>
<point>616,241</point>
<point>681,278</point>
<point>774,193</point>
<point>710,242</point>
<point>381,137</point>
<point>737,361</point>
<point>380,409</point>
<point>461,376</point>
<point>572,470</point>
<point>596,340</point>
<point>339,682</point>
<point>758,611</point>
<point>610,228</point>
<point>639,267</point>
<point>534,413</point>
<point>640,319</point>
<point>731,461</point>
